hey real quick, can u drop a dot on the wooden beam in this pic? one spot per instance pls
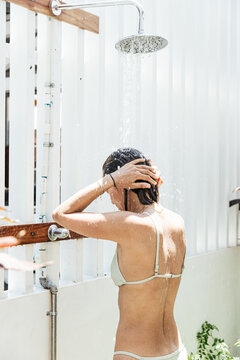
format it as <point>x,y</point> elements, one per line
<point>29,234</point>
<point>80,18</point>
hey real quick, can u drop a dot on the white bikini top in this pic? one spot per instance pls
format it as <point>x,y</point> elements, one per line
<point>118,278</point>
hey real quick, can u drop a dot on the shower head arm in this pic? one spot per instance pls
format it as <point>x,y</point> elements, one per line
<point>56,7</point>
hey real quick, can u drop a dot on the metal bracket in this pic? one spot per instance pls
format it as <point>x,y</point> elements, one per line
<point>50,84</point>
<point>53,5</point>
<point>51,313</point>
<point>48,144</point>
<point>57,233</point>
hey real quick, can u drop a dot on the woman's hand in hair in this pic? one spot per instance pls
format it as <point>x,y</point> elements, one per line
<point>126,176</point>
<point>159,179</point>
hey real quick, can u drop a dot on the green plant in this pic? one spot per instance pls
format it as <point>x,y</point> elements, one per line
<point>237,343</point>
<point>210,347</point>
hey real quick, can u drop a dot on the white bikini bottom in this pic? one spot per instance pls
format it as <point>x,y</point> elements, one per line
<point>179,354</point>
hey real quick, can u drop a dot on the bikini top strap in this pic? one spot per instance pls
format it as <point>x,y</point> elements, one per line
<point>157,249</point>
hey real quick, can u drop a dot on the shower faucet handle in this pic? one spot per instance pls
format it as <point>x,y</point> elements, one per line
<point>55,233</point>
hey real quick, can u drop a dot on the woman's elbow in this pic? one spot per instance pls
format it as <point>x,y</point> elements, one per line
<point>55,215</point>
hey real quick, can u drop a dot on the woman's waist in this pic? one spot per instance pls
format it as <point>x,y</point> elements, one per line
<point>145,319</point>
<point>151,342</point>
<point>148,337</point>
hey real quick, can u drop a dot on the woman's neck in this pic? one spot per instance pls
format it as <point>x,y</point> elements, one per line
<point>140,208</point>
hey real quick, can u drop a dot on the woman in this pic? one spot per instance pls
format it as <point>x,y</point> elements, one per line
<point>149,257</point>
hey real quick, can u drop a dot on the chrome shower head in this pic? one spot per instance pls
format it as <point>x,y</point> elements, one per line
<point>135,44</point>
<point>141,44</point>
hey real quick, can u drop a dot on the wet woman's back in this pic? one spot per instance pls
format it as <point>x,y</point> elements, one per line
<point>147,323</point>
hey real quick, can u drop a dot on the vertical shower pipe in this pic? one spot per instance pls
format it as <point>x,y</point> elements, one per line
<point>47,284</point>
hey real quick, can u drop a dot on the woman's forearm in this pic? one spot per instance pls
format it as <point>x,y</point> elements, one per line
<point>79,201</point>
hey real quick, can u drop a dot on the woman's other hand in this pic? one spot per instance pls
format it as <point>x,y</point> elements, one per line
<point>159,179</point>
<point>126,176</point>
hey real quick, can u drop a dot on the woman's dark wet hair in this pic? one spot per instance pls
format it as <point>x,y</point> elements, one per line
<point>121,157</point>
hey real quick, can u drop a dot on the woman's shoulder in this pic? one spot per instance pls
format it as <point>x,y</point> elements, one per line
<point>174,219</point>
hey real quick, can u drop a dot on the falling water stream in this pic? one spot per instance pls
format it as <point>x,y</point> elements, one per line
<point>130,95</point>
<point>131,124</point>
<point>131,67</point>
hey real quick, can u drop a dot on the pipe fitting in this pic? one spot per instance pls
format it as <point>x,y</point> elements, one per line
<point>48,284</point>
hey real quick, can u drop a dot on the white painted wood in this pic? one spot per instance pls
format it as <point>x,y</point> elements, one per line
<point>2,278</point>
<point>7,44</point>
<point>104,62</point>
<point>43,113</point>
<point>2,98</point>
<point>53,190</point>
<point>110,112</point>
<point>21,154</point>
<point>21,114</point>
<point>90,149</point>
<point>4,59</point>
<point>71,148</point>
<point>48,162</point>
<point>80,111</point>
<point>20,282</point>
<point>25,315</point>
<point>43,129</point>
<point>78,260</point>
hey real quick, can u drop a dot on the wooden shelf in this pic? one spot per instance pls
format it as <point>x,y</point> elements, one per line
<point>31,234</point>
<point>80,18</point>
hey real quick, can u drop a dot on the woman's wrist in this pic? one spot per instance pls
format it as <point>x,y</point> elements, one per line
<point>106,183</point>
